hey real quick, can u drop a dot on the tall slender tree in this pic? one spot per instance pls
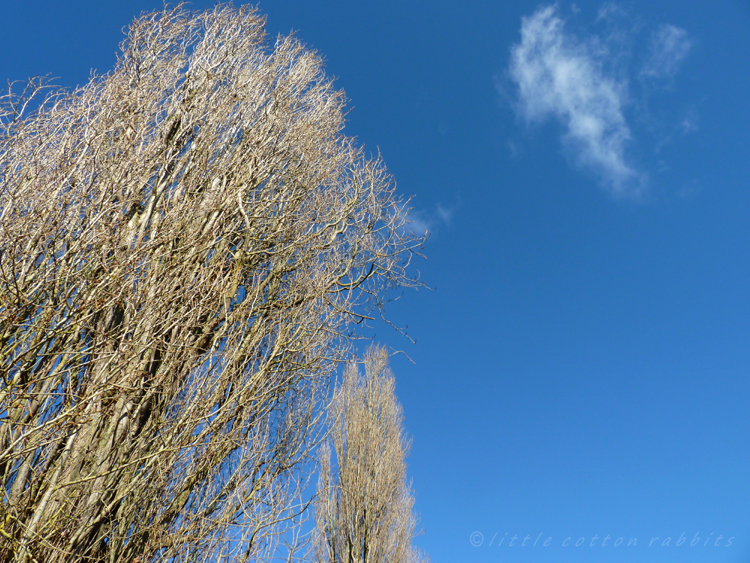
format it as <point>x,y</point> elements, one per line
<point>364,511</point>
<point>185,243</point>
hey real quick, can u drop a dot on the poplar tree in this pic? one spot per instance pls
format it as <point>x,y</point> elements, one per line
<point>365,506</point>
<point>185,245</point>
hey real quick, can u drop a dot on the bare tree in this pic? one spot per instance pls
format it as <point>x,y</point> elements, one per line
<point>364,510</point>
<point>185,243</point>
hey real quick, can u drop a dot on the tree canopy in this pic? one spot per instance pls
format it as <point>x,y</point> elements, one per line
<point>185,245</point>
<point>364,508</point>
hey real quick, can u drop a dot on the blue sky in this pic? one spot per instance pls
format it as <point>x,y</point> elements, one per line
<point>581,368</point>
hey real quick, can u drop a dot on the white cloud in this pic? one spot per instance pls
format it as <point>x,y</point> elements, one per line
<point>419,221</point>
<point>610,11</point>
<point>584,81</point>
<point>412,221</point>
<point>417,224</point>
<point>562,77</point>
<point>669,45</point>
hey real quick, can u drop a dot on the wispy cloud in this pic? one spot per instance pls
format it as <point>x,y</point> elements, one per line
<point>669,45</point>
<point>559,76</point>
<point>580,81</point>
<point>444,213</point>
<point>609,11</point>
<point>417,224</point>
<point>420,222</point>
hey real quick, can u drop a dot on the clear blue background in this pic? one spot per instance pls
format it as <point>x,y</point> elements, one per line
<point>582,366</point>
